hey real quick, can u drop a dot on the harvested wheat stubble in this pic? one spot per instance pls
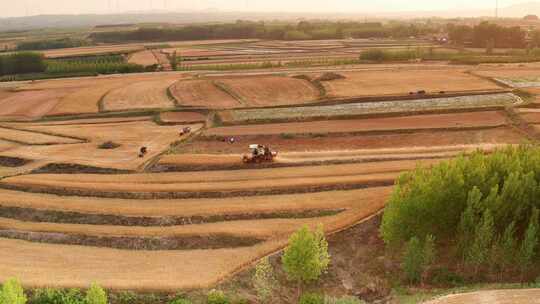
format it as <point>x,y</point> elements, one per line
<point>148,94</point>
<point>64,217</point>
<point>419,122</point>
<point>216,183</point>
<point>522,296</point>
<point>194,242</point>
<point>271,90</point>
<point>130,135</point>
<point>367,108</point>
<point>31,104</point>
<point>145,58</point>
<point>206,189</point>
<point>120,269</point>
<point>187,207</point>
<point>182,162</point>
<point>29,137</point>
<point>7,145</point>
<point>202,93</point>
<point>338,141</point>
<point>84,121</point>
<point>181,117</point>
<point>374,83</point>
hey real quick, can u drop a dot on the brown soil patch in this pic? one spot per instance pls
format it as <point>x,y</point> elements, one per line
<point>367,141</point>
<point>271,90</point>
<point>509,72</point>
<point>182,117</point>
<point>202,93</point>
<point>437,121</point>
<point>525,296</point>
<point>399,82</point>
<point>533,118</point>
<point>148,94</point>
<point>145,58</point>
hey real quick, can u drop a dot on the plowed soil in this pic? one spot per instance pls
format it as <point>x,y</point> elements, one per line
<point>271,90</point>
<point>202,93</point>
<point>398,82</point>
<point>439,121</point>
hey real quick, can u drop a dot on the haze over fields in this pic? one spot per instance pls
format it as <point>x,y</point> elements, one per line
<point>56,7</point>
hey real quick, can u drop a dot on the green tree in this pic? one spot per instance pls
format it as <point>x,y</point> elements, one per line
<point>12,292</point>
<point>413,260</point>
<point>478,253</point>
<point>529,244</point>
<point>95,295</point>
<point>429,254</point>
<point>306,257</point>
<point>264,280</point>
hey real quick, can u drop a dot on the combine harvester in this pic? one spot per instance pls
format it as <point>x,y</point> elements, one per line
<point>259,154</point>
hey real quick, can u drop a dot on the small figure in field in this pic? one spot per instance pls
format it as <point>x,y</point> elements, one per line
<point>143,152</point>
<point>185,131</point>
<point>232,140</point>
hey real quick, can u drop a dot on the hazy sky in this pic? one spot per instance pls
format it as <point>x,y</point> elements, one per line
<point>34,7</point>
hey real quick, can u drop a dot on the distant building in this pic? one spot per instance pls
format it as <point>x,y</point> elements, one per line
<point>531,18</point>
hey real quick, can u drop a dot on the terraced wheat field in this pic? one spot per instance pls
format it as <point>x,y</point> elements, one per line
<point>79,205</point>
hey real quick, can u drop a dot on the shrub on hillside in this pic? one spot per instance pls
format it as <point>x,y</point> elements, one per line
<point>12,293</point>
<point>311,298</point>
<point>217,297</point>
<point>57,296</point>
<point>95,295</point>
<point>306,258</point>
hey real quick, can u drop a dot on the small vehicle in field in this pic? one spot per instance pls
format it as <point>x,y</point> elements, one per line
<point>185,131</point>
<point>143,151</point>
<point>259,154</point>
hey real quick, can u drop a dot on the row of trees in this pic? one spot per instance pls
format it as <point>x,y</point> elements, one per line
<point>483,209</point>
<point>50,44</point>
<point>304,30</point>
<point>487,35</point>
<point>13,293</point>
<point>21,63</point>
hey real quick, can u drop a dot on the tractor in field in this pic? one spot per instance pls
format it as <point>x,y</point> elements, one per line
<point>259,154</point>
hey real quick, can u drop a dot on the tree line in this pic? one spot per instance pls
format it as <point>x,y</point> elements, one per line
<point>50,44</point>
<point>22,63</point>
<point>487,35</point>
<point>482,209</point>
<point>304,30</point>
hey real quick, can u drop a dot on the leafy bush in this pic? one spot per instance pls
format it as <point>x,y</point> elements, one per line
<point>12,293</point>
<point>306,258</point>
<point>217,297</point>
<point>127,297</point>
<point>311,298</point>
<point>95,295</point>
<point>57,296</point>
<point>180,301</point>
<point>264,280</point>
